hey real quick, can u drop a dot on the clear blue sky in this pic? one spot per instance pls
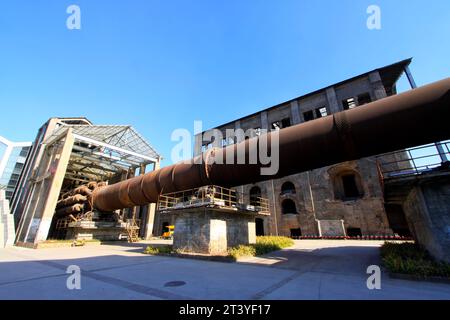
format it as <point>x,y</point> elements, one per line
<point>160,65</point>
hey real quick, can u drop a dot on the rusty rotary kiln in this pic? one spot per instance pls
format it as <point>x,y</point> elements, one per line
<point>416,117</point>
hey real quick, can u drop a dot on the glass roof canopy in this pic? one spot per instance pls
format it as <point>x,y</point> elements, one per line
<point>101,151</point>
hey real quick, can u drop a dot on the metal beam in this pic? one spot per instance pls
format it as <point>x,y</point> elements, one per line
<point>120,150</point>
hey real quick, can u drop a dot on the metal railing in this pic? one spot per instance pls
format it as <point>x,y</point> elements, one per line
<point>212,196</point>
<point>414,161</point>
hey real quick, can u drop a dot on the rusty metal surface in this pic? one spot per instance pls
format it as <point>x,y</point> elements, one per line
<point>413,118</point>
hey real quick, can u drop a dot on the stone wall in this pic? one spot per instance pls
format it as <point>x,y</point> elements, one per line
<point>315,199</point>
<point>427,209</point>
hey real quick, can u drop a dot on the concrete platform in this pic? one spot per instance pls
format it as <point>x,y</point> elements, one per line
<point>312,269</point>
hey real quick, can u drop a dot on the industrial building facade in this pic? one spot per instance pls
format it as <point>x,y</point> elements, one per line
<point>70,153</point>
<point>348,194</point>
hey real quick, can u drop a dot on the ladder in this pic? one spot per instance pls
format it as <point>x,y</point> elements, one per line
<point>132,230</point>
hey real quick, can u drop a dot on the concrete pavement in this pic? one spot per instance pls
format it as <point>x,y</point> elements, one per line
<point>312,269</point>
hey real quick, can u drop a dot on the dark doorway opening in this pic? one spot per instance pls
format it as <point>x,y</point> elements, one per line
<point>296,233</point>
<point>165,227</point>
<point>259,227</point>
<point>397,219</point>
<point>354,232</point>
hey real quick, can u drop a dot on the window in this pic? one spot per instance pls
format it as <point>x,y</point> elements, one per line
<point>308,115</point>
<point>255,194</point>
<point>276,126</point>
<point>285,123</point>
<point>321,112</point>
<point>349,103</point>
<point>364,99</point>
<point>288,207</point>
<point>350,188</point>
<point>287,188</point>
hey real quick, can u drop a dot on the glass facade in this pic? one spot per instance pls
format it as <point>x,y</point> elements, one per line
<point>12,161</point>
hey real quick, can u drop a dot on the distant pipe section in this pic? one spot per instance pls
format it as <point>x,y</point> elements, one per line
<point>416,117</point>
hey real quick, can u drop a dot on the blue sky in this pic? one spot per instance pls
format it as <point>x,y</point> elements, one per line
<point>160,65</point>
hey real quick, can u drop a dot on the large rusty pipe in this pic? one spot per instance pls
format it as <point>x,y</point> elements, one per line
<point>416,117</point>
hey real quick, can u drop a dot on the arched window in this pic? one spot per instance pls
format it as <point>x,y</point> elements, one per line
<point>288,188</point>
<point>288,207</point>
<point>347,185</point>
<point>255,194</point>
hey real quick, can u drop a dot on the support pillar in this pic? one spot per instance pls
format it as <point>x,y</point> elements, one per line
<point>151,211</point>
<point>212,231</point>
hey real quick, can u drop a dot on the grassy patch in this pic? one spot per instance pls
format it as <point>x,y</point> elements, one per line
<point>263,245</point>
<point>158,250</point>
<point>411,259</point>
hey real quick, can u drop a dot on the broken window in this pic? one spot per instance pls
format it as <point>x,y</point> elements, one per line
<point>287,187</point>
<point>349,103</point>
<point>321,112</point>
<point>288,207</point>
<point>364,99</point>
<point>350,187</point>
<point>347,185</point>
<point>308,115</point>
<point>276,126</point>
<point>255,195</point>
<point>224,143</point>
<point>285,123</point>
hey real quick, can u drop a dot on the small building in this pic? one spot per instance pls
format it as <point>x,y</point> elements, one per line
<point>71,152</point>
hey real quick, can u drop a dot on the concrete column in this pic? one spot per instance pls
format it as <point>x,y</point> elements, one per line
<point>151,211</point>
<point>240,136</point>
<point>58,171</point>
<point>426,209</point>
<point>332,100</point>
<point>264,120</point>
<point>379,92</point>
<point>295,113</point>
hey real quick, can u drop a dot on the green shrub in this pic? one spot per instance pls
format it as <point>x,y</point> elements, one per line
<point>263,246</point>
<point>242,251</point>
<point>410,258</point>
<point>158,250</point>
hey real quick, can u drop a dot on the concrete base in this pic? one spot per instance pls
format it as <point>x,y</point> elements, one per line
<point>212,231</point>
<point>427,209</point>
<point>89,230</point>
<point>331,228</point>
